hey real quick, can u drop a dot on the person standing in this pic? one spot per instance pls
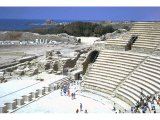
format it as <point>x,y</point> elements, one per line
<point>80,106</point>
<point>85,111</point>
<point>69,93</point>
<point>77,111</point>
<point>152,105</point>
<point>114,107</point>
<point>61,92</point>
<point>72,95</point>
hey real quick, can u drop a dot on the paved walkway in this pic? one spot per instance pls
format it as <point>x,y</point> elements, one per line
<point>55,103</point>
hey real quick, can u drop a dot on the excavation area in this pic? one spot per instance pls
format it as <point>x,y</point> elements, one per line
<point>33,73</point>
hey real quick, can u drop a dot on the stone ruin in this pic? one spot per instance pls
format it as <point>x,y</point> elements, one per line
<point>2,77</point>
<point>54,62</point>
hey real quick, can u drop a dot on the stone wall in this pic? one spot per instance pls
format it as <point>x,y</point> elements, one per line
<point>14,35</point>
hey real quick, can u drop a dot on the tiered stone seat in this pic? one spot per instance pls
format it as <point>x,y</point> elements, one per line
<point>125,74</point>
<point>148,35</point>
<point>119,42</point>
<point>98,87</point>
<point>126,97</point>
<point>141,45</point>
<point>121,66</point>
<point>132,95</point>
<point>112,79</point>
<point>143,83</point>
<point>147,32</point>
<point>121,53</point>
<point>146,78</point>
<point>111,68</point>
<point>133,87</point>
<point>140,28</point>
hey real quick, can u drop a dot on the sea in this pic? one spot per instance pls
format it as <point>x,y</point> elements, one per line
<point>24,24</point>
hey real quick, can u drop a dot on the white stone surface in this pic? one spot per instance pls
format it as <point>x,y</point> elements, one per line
<point>14,89</point>
<point>55,103</point>
<point>88,40</point>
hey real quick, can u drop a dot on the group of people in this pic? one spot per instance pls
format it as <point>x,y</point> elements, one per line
<point>117,111</point>
<point>146,104</point>
<point>77,110</point>
<point>65,90</point>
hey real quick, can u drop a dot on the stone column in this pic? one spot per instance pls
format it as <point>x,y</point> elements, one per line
<point>46,41</point>
<point>34,95</point>
<point>51,87</point>
<point>55,86</point>
<point>46,90</point>
<point>19,101</point>
<point>40,92</point>
<point>3,109</point>
<point>11,105</point>
<point>27,98</point>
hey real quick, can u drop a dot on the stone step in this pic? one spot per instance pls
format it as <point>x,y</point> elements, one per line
<point>112,76</point>
<point>95,76</point>
<point>140,85</point>
<point>89,78</point>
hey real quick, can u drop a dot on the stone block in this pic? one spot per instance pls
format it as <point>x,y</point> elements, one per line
<point>11,105</point>
<point>3,109</point>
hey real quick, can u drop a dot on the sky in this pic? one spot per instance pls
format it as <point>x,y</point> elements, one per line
<point>82,13</point>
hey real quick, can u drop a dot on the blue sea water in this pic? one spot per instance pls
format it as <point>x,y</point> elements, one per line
<point>23,24</point>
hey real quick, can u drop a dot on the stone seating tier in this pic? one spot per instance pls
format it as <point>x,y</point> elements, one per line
<point>140,85</point>
<point>112,76</point>
<point>129,93</point>
<point>99,79</point>
<point>104,78</point>
<point>109,72</point>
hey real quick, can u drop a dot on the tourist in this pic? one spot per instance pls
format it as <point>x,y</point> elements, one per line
<point>125,111</point>
<point>81,107</point>
<point>114,107</point>
<point>132,109</point>
<point>152,105</point>
<point>61,93</point>
<point>158,101</point>
<point>64,90</point>
<point>72,95</point>
<point>68,93</point>
<point>77,111</point>
<point>144,108</point>
<point>85,111</point>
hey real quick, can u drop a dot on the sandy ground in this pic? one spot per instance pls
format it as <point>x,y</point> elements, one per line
<point>10,53</point>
